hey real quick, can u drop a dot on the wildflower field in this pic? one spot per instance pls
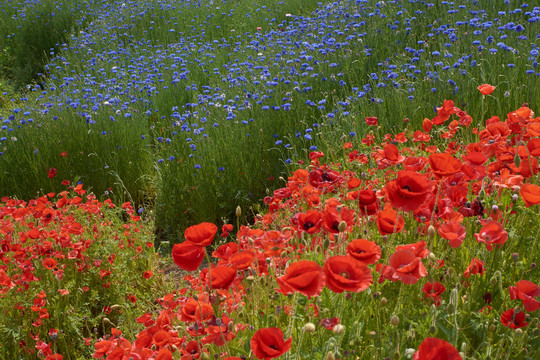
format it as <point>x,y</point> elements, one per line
<point>286,179</point>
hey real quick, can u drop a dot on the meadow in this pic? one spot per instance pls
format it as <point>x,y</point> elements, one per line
<point>233,180</point>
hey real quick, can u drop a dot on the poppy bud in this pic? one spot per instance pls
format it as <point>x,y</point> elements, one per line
<point>230,326</point>
<point>106,321</point>
<point>309,327</point>
<point>115,307</point>
<point>250,278</point>
<point>431,231</point>
<point>342,226</point>
<point>326,243</point>
<point>384,301</point>
<point>519,331</point>
<point>339,329</point>
<point>204,356</point>
<point>267,192</point>
<point>394,320</point>
<point>330,356</point>
<point>238,211</point>
<point>464,348</point>
<point>432,329</point>
<point>492,328</point>
<point>517,160</point>
<point>432,257</point>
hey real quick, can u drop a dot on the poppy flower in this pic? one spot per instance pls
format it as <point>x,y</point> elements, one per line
<point>414,163</point>
<point>202,234</point>
<point>225,230</point>
<point>305,277</point>
<point>388,221</point>
<point>454,232</point>
<point>187,256</point>
<point>194,310</point>
<point>332,218</point>
<point>418,248</point>
<point>513,320</point>
<point>52,172</point>
<point>406,266</point>
<point>268,343</point>
<point>164,354</point>
<point>486,89</point>
<point>475,267</point>
<point>161,338</point>
<point>526,291</point>
<point>371,120</point>
<point>436,349</point>
<point>148,274</point>
<point>443,164</point>
<point>344,273</point>
<point>310,222</point>
<point>433,291</point>
<point>367,202</point>
<point>408,191</point>
<point>365,251</point>
<point>49,263</point>
<point>530,193</point>
<point>221,277</point>
<point>491,234</point>
<point>242,260</point>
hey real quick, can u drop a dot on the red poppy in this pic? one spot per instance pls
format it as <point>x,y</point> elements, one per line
<point>526,291</point>
<point>225,251</point>
<point>371,120</point>
<point>388,221</point>
<point>443,164</point>
<point>408,191</point>
<point>148,274</point>
<point>225,230</point>
<point>406,266</point>
<point>305,277</point>
<point>433,291</point>
<point>161,338</point>
<point>202,234</point>
<point>454,232</point>
<point>49,263</point>
<point>52,172</point>
<point>427,125</point>
<point>242,260</point>
<point>310,222</point>
<point>530,193</point>
<point>414,163</point>
<point>164,354</point>
<point>513,320</point>
<point>475,267</point>
<point>418,248</point>
<point>332,218</point>
<point>365,251</point>
<point>268,343</point>
<point>486,89</point>
<point>436,349</point>
<point>221,277</point>
<point>344,273</point>
<point>187,256</point>
<point>492,233</point>
<point>367,202</point>
<point>194,310</point>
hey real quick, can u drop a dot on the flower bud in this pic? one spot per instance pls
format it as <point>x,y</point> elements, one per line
<point>517,160</point>
<point>394,320</point>
<point>432,256</point>
<point>330,356</point>
<point>431,231</point>
<point>309,327</point>
<point>384,301</point>
<point>339,329</point>
<point>204,356</point>
<point>492,328</point>
<point>342,226</point>
<point>515,256</point>
<point>238,211</point>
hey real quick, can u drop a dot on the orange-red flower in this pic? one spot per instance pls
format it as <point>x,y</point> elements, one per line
<point>436,349</point>
<point>443,164</point>
<point>491,234</point>
<point>187,256</point>
<point>530,193</point>
<point>367,202</point>
<point>194,310</point>
<point>475,267</point>
<point>454,232</point>
<point>202,234</point>
<point>365,251</point>
<point>408,191</point>
<point>343,273</point>
<point>268,343</point>
<point>310,222</point>
<point>433,291</point>
<point>486,89</point>
<point>513,320</point>
<point>526,291</point>
<point>371,120</point>
<point>305,277</point>
<point>388,221</point>
<point>406,266</point>
<point>221,277</point>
